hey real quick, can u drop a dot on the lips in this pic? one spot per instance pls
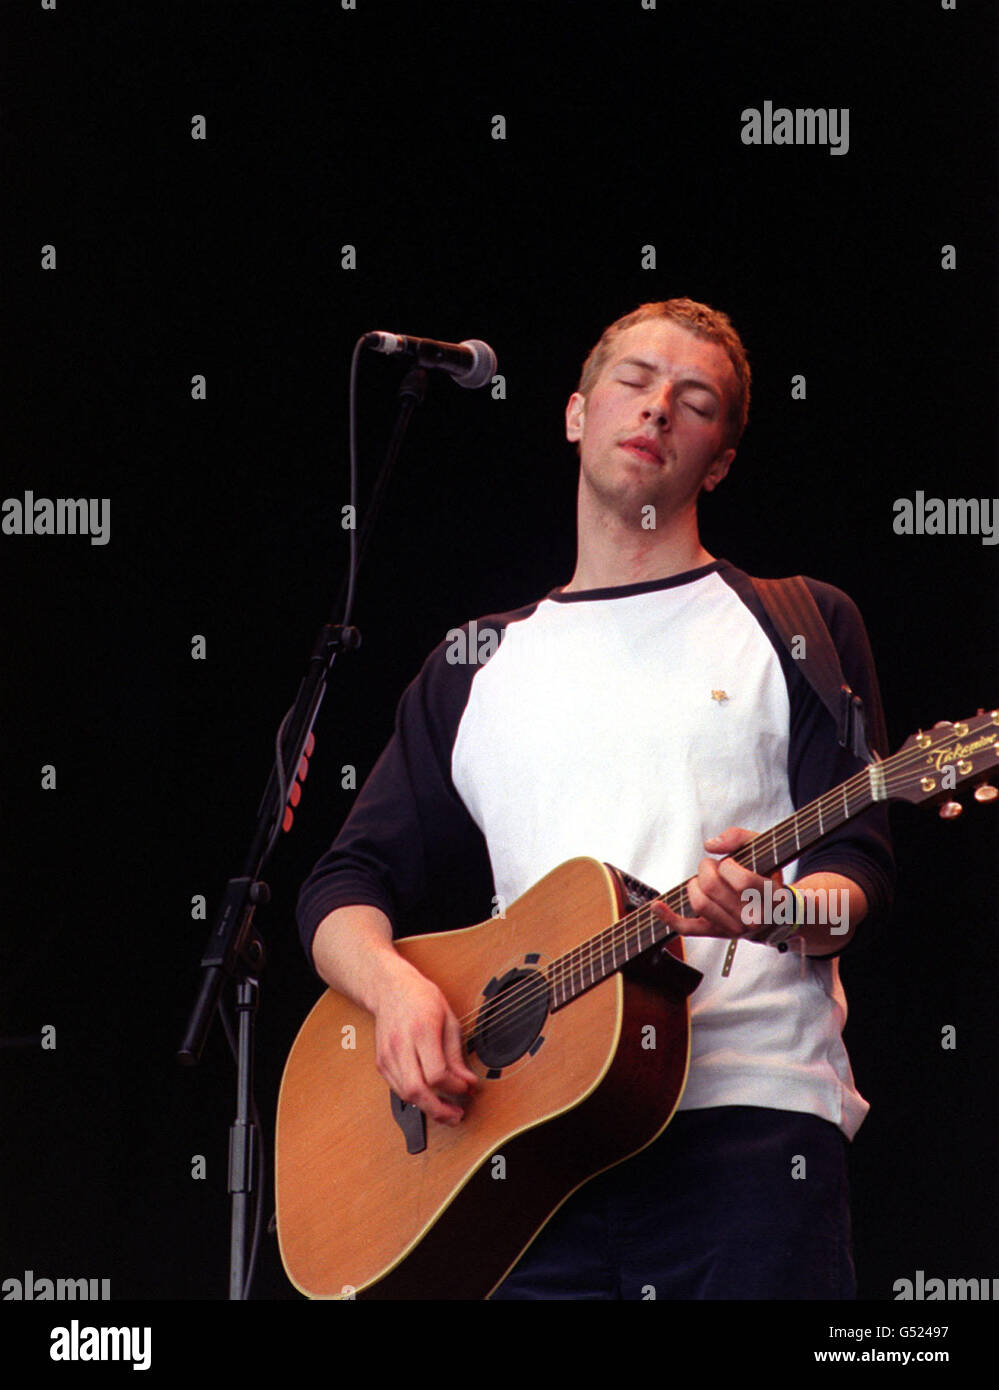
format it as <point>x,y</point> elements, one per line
<point>644,446</point>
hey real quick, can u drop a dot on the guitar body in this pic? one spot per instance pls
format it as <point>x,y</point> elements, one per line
<point>576,1092</point>
<point>372,1203</point>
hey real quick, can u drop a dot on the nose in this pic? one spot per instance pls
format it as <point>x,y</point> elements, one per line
<point>658,406</point>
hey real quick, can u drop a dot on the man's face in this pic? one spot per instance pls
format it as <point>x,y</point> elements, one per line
<point>653,427</point>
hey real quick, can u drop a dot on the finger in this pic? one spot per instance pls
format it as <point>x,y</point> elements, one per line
<point>715,899</point>
<point>734,889</point>
<point>733,838</point>
<point>721,879</point>
<point>404,1071</point>
<point>417,1092</point>
<point>734,876</point>
<point>447,1084</point>
<point>437,1106</point>
<point>683,926</point>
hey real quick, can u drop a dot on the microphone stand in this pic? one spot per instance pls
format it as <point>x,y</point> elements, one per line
<point>235,950</point>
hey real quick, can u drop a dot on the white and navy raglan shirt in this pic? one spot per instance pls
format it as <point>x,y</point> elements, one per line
<point>629,724</point>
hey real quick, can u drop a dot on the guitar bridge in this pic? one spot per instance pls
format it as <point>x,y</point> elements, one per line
<point>412,1121</point>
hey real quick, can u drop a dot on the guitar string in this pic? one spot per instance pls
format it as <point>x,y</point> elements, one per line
<point>593,952</point>
<point>591,955</point>
<point>585,955</point>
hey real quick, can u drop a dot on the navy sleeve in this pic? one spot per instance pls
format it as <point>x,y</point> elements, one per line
<point>408,837</point>
<point>860,850</point>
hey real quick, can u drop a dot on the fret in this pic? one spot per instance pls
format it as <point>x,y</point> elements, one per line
<point>876,782</point>
<point>605,953</point>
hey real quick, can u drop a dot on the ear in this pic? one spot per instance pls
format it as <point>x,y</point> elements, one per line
<point>575,414</point>
<point>718,470</point>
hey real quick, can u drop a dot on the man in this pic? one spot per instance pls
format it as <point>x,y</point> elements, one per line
<point>631,716</point>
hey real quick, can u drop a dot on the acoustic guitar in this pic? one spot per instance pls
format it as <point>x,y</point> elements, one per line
<point>575,1016</point>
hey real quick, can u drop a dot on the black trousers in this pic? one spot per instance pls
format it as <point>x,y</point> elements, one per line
<point>736,1202</point>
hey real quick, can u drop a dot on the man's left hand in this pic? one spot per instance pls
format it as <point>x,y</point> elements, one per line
<point>716,893</point>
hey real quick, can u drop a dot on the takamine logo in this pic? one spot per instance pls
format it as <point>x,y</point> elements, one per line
<point>954,1290</point>
<point>959,751</point>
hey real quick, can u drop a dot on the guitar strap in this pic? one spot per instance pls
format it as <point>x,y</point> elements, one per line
<point>795,614</point>
<point>802,629</point>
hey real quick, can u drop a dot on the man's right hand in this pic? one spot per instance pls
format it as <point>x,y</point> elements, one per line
<point>418,1047</point>
<point>417,1037</point>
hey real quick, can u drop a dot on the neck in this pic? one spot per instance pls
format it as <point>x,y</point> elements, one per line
<point>601,955</point>
<point>614,550</point>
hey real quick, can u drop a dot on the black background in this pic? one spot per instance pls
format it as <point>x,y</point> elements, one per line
<point>223,257</point>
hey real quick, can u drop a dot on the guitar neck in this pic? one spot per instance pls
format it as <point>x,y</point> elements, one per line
<point>592,961</point>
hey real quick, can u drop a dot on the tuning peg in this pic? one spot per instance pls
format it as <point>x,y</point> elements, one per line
<point>986,792</point>
<point>951,809</point>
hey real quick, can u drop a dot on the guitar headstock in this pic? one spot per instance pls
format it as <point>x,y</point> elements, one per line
<point>930,766</point>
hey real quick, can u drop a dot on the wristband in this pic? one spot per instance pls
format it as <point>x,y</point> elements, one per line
<point>781,935</point>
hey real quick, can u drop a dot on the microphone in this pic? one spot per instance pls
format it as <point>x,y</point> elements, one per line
<point>471,363</point>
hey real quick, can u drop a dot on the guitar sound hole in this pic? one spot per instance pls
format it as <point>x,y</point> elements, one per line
<point>510,1018</point>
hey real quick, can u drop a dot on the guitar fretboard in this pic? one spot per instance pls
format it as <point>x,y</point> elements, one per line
<point>586,965</point>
